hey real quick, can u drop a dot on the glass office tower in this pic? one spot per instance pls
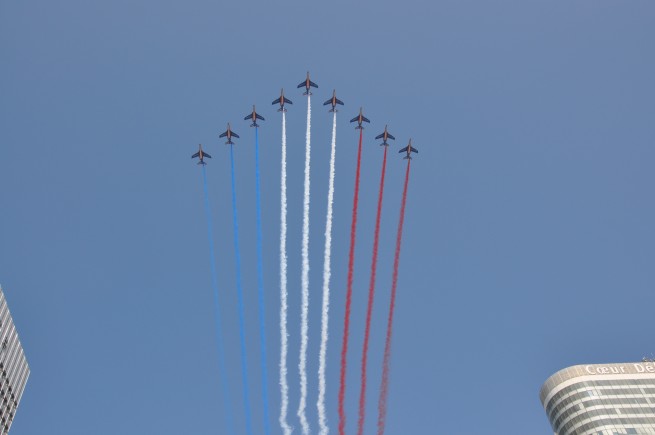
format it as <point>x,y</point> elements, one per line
<point>14,370</point>
<point>601,399</point>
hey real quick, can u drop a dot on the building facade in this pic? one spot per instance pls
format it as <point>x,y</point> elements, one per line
<point>601,399</point>
<point>14,370</point>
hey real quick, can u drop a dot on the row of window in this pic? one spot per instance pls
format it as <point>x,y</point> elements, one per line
<point>637,406</point>
<point>593,399</point>
<point>623,383</point>
<point>12,367</point>
<point>558,397</point>
<point>575,426</point>
<point>600,424</point>
<point>611,413</point>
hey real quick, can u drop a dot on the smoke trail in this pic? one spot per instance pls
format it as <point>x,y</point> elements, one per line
<point>219,334</point>
<point>284,386</point>
<point>326,287</point>
<point>384,387</point>
<point>349,292</point>
<point>242,331</point>
<point>304,308</point>
<point>369,308</point>
<point>260,288</point>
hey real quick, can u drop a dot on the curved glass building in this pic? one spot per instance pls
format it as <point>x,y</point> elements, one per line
<point>14,370</point>
<point>601,399</point>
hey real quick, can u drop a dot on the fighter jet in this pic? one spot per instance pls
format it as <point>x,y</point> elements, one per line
<point>254,116</point>
<point>229,134</point>
<point>201,155</point>
<point>359,119</point>
<point>384,136</point>
<point>409,149</point>
<point>281,101</point>
<point>307,84</point>
<point>334,101</point>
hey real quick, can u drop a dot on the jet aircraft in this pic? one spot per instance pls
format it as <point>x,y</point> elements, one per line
<point>229,134</point>
<point>359,119</point>
<point>281,101</point>
<point>201,155</point>
<point>384,136</point>
<point>334,101</point>
<point>307,84</point>
<point>254,116</point>
<point>409,149</point>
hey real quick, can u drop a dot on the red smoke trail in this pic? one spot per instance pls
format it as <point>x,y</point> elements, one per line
<point>384,387</point>
<point>349,293</point>
<point>369,309</point>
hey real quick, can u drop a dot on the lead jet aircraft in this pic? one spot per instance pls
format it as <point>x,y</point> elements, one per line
<point>201,155</point>
<point>359,119</point>
<point>281,101</point>
<point>254,116</point>
<point>409,149</point>
<point>334,101</point>
<point>384,136</point>
<point>307,84</point>
<point>229,134</point>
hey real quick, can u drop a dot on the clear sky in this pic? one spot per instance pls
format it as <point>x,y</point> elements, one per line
<point>529,237</point>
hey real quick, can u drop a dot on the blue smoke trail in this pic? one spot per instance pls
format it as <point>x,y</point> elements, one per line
<point>219,335</point>
<point>242,331</point>
<point>260,289</point>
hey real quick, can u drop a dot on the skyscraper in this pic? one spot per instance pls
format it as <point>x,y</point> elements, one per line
<point>14,370</point>
<point>601,399</point>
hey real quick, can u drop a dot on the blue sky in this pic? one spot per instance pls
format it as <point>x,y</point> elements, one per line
<point>528,241</point>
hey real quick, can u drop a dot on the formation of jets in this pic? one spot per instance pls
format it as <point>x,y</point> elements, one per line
<point>282,100</point>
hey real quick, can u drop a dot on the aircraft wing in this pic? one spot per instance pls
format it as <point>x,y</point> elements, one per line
<point>380,136</point>
<point>365,119</point>
<point>206,155</point>
<point>277,101</point>
<point>339,101</point>
<point>390,137</point>
<point>196,155</point>
<point>234,134</point>
<point>404,150</point>
<point>301,84</point>
<point>355,119</point>
<point>223,134</point>
<point>311,83</point>
<point>328,102</point>
<point>260,117</point>
<point>414,150</point>
<point>286,100</point>
<point>249,116</point>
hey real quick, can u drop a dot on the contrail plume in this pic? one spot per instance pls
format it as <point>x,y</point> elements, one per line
<point>371,295</point>
<point>322,421</point>
<point>219,334</point>
<point>284,337</point>
<point>349,292</point>
<point>260,288</point>
<point>242,329</point>
<point>384,387</point>
<point>304,307</point>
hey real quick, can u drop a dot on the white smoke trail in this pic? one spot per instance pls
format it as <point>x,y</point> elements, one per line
<point>284,386</point>
<point>322,421</point>
<point>302,365</point>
